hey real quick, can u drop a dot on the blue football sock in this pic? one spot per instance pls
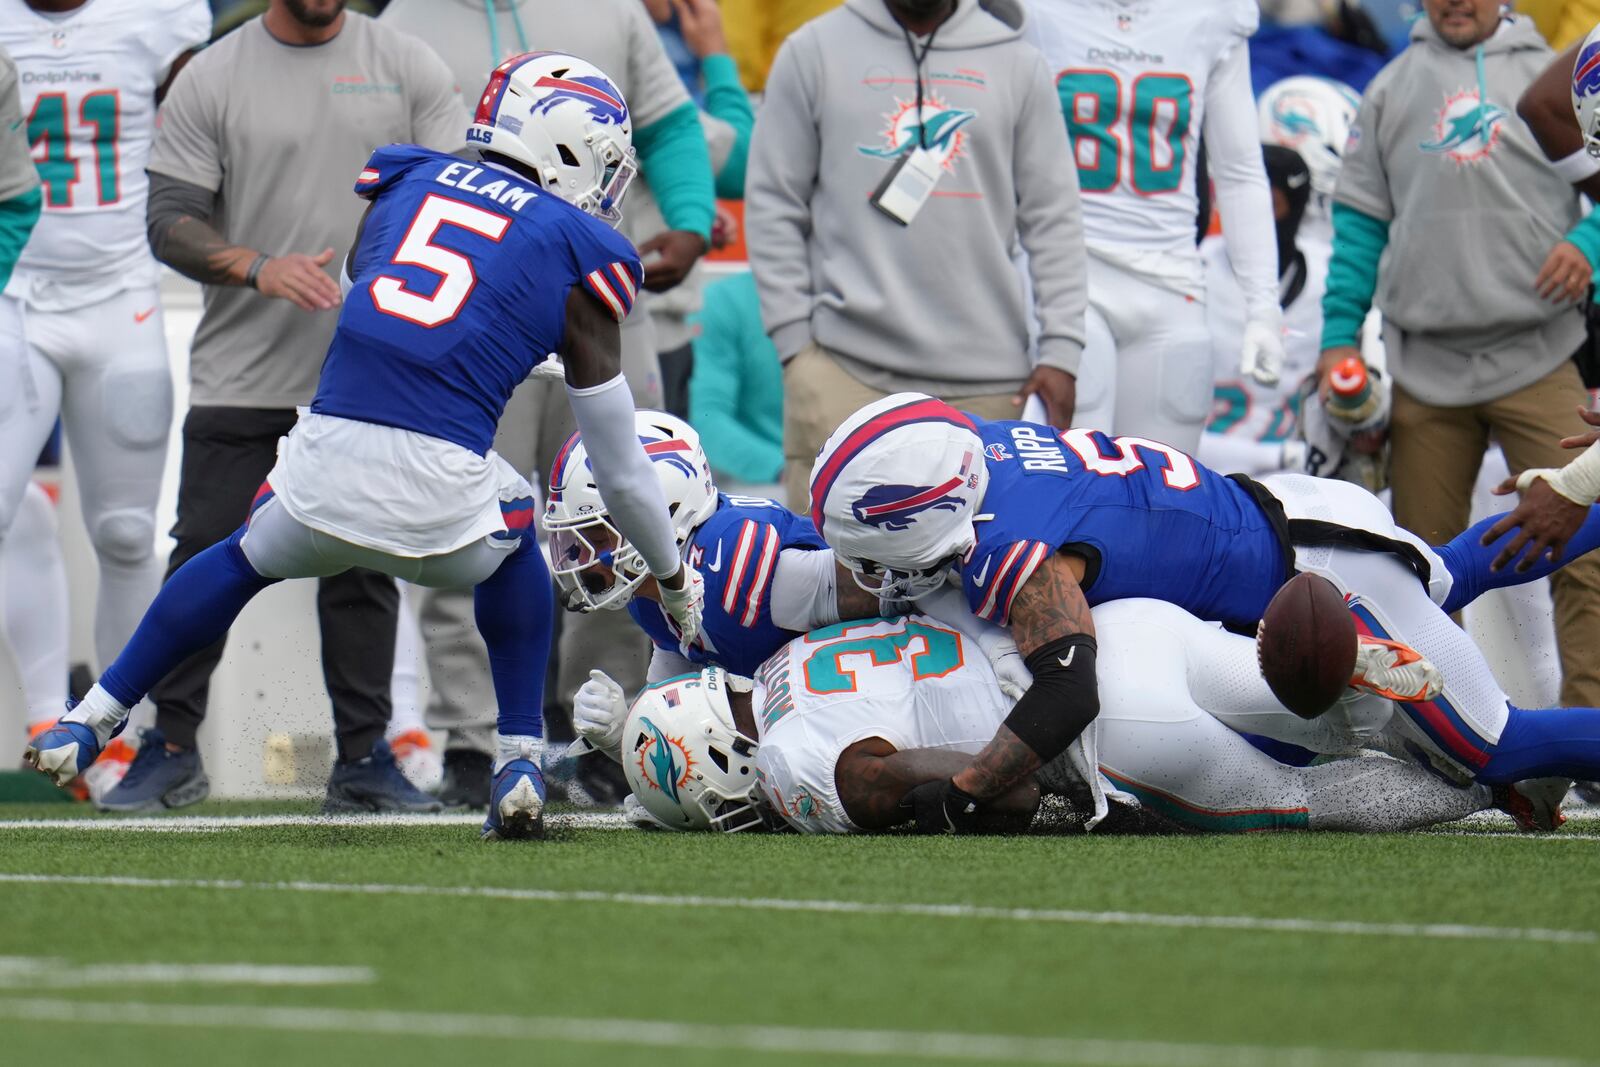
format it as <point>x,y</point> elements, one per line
<point>1469,561</point>
<point>1546,743</point>
<point>515,609</point>
<point>194,608</point>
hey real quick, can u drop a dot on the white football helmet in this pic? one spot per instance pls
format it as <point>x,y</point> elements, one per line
<point>563,118</point>
<point>893,492</point>
<point>1586,91</point>
<point>1313,116</point>
<point>584,543</point>
<point>684,758</point>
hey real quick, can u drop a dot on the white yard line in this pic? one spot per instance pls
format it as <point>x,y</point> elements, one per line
<point>648,1033</point>
<point>178,824</point>
<point>1334,927</point>
<point>33,974</point>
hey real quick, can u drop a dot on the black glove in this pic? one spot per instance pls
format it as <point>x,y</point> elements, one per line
<point>940,808</point>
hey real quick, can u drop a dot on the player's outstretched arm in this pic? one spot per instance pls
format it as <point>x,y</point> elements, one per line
<point>874,781</point>
<point>1053,629</point>
<point>591,350</point>
<point>1554,505</point>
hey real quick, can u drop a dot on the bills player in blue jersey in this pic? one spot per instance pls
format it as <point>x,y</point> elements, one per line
<point>464,277</point>
<point>1040,524</point>
<point>768,576</point>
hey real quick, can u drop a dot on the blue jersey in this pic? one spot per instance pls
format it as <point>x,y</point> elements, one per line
<point>461,282</point>
<point>1148,519</point>
<point>736,552</point>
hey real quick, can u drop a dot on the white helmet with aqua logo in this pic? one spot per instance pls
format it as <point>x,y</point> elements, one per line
<point>684,758</point>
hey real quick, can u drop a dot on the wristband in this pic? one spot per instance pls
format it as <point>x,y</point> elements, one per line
<point>1578,481</point>
<point>254,272</point>
<point>1577,167</point>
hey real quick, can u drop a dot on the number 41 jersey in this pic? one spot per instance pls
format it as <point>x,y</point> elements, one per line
<point>1132,77</point>
<point>461,277</point>
<point>1149,520</point>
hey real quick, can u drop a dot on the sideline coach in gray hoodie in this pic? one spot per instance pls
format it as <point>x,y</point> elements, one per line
<point>861,305</point>
<point>1448,210</point>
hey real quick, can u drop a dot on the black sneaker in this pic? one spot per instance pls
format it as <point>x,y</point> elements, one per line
<point>467,773</point>
<point>158,779</point>
<point>374,784</point>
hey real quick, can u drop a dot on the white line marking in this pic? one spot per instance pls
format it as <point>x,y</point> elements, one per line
<point>649,1033</point>
<point>178,824</point>
<point>1437,931</point>
<point>25,972</point>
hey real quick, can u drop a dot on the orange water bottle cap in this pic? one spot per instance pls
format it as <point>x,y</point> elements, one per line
<point>1348,377</point>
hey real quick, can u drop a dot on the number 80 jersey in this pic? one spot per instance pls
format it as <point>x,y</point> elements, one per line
<point>1132,77</point>
<point>1149,520</point>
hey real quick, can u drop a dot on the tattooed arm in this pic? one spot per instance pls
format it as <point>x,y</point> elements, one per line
<point>177,218</point>
<point>1054,631</point>
<point>873,779</point>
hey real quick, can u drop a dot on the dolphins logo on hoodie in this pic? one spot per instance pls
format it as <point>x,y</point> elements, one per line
<point>1466,131</point>
<point>941,130</point>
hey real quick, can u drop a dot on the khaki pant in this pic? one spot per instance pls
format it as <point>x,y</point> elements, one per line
<point>818,395</point>
<point>1435,459</point>
<point>535,425</point>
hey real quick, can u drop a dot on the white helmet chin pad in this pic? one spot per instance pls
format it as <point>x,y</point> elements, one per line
<point>895,488</point>
<point>565,120</point>
<point>684,758</point>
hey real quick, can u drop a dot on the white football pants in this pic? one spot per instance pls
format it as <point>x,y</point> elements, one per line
<point>33,604</point>
<point>1146,368</point>
<point>103,369</point>
<point>1166,679</point>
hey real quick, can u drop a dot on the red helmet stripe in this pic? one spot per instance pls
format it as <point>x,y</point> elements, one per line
<point>929,410</point>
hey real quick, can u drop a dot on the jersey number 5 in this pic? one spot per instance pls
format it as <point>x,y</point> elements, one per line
<point>456,276</point>
<point>1181,473</point>
<point>1142,134</point>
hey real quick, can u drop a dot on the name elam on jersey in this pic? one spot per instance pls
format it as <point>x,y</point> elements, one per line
<point>464,176</point>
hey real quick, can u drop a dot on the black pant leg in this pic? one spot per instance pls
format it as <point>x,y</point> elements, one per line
<point>358,612</point>
<point>227,454</point>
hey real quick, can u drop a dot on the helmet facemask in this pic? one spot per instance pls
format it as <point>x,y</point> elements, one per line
<point>580,555</point>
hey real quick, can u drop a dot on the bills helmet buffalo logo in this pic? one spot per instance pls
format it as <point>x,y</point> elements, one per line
<point>895,507</point>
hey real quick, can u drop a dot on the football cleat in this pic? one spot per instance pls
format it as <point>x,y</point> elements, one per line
<point>419,761</point>
<point>1534,804</point>
<point>1394,671</point>
<point>62,751</point>
<point>516,803</point>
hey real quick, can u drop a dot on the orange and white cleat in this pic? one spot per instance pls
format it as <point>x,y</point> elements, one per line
<point>1394,671</point>
<point>419,761</point>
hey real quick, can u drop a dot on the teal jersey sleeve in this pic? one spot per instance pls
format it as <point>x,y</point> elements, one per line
<point>677,164</point>
<point>17,216</point>
<point>1358,244</point>
<point>727,100</point>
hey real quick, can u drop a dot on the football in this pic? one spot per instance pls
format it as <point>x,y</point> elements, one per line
<point>1306,645</point>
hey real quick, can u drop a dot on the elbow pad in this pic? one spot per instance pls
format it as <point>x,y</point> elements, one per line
<point>1063,700</point>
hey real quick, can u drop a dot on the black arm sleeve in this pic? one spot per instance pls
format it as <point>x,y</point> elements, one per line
<point>1063,699</point>
<point>170,200</point>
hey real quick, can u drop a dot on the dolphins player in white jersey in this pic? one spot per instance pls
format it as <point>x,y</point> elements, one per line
<point>1138,86</point>
<point>81,332</point>
<point>843,723</point>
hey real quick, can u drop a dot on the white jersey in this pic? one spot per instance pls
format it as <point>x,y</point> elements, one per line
<point>1132,78</point>
<point>913,682</point>
<point>88,83</point>
<point>1242,408</point>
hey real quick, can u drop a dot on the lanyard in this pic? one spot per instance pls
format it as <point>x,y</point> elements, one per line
<point>917,61</point>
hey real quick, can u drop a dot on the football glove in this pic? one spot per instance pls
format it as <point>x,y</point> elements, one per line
<point>551,370</point>
<point>940,808</point>
<point>1262,356</point>
<point>599,711</point>
<point>685,606</point>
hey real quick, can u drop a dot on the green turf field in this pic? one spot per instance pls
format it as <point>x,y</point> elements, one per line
<point>417,944</point>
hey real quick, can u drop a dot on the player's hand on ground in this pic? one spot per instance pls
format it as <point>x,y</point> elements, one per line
<point>1329,359</point>
<point>1057,390</point>
<point>700,22</point>
<point>1544,520</point>
<point>1565,275</point>
<point>599,710</point>
<point>1584,440</point>
<point>300,280</point>
<point>669,257</point>
<point>683,598</point>
<point>940,808</point>
<point>1262,354</point>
